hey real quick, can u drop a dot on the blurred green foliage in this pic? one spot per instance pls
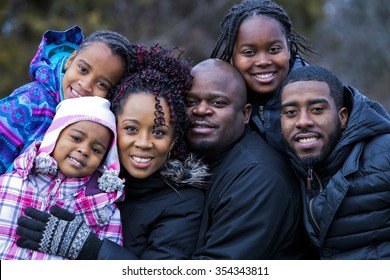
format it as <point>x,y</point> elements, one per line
<point>192,25</point>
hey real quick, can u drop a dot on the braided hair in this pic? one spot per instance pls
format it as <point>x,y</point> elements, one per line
<point>248,8</point>
<point>165,74</point>
<point>119,46</point>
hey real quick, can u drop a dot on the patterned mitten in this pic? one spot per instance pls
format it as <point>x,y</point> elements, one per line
<point>59,233</point>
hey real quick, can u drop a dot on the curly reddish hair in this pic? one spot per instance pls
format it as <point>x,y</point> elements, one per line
<point>165,74</point>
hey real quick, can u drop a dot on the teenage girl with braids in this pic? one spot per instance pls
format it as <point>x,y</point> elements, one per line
<point>64,67</point>
<point>257,37</point>
<point>260,42</point>
<point>163,202</point>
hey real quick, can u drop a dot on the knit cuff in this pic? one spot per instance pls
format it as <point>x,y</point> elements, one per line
<point>91,248</point>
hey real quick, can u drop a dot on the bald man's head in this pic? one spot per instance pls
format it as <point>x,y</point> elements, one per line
<point>222,75</point>
<point>217,107</point>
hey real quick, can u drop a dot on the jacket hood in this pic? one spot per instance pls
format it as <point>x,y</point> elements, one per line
<point>87,108</point>
<point>367,118</point>
<point>54,46</point>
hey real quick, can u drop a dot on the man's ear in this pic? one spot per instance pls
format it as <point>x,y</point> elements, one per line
<point>343,117</point>
<point>70,59</point>
<point>247,111</point>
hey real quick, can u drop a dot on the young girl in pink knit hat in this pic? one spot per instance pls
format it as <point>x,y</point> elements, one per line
<point>76,167</point>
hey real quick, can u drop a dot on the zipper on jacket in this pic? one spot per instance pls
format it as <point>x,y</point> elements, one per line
<point>56,186</point>
<point>312,215</point>
<point>312,198</point>
<point>261,113</point>
<point>309,179</point>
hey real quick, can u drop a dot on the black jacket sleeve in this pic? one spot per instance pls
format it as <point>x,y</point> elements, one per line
<point>113,251</point>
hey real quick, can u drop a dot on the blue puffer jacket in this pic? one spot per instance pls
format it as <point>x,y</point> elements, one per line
<point>28,111</point>
<point>347,216</point>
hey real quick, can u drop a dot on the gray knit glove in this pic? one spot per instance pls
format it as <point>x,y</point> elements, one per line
<point>59,233</point>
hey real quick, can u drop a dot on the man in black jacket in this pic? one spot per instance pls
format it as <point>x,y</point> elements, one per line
<point>339,144</point>
<point>252,208</point>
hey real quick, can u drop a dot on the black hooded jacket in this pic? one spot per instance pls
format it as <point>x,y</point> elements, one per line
<point>347,210</point>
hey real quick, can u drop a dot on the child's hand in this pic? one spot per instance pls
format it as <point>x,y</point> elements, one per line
<point>59,233</point>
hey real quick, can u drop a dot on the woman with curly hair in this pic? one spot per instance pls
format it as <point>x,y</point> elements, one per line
<point>164,200</point>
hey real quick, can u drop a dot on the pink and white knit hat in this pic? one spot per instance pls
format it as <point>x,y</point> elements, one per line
<point>87,108</point>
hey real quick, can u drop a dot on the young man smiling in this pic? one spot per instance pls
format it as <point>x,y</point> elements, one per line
<point>339,143</point>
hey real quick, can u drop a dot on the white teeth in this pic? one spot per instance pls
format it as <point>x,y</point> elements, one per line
<point>75,93</point>
<point>141,160</point>
<point>264,76</point>
<point>75,161</point>
<point>307,140</point>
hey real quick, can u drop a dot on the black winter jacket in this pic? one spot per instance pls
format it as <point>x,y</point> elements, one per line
<point>159,221</point>
<point>253,207</point>
<point>347,211</point>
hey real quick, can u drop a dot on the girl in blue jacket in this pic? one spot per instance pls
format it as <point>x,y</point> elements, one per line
<point>64,67</point>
